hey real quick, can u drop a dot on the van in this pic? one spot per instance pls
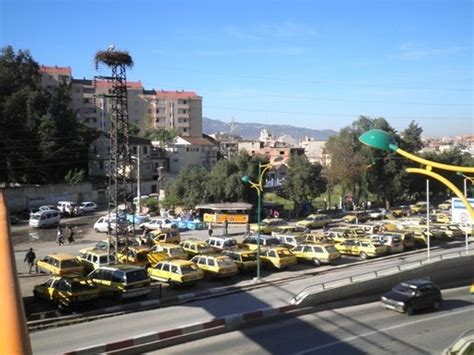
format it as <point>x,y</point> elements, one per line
<point>44,219</point>
<point>122,281</point>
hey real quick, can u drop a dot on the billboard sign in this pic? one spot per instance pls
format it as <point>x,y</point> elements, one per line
<point>459,212</point>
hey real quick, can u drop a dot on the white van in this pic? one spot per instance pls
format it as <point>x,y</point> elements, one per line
<point>44,219</point>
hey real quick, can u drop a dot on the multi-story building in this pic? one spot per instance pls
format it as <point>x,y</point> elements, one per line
<point>316,151</point>
<point>147,109</point>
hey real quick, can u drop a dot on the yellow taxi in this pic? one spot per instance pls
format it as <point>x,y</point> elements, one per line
<point>363,248</point>
<point>278,257</point>
<point>61,264</point>
<point>356,217</point>
<point>419,207</point>
<point>245,259</point>
<point>195,247</point>
<point>165,235</point>
<point>314,221</point>
<point>317,238</point>
<point>268,225</point>
<point>176,272</point>
<point>441,218</point>
<point>316,253</point>
<point>67,291</point>
<point>122,281</point>
<point>170,250</point>
<point>92,258</point>
<point>135,256</point>
<point>216,265</point>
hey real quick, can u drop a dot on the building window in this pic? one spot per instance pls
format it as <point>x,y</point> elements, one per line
<point>145,150</point>
<point>185,130</point>
<point>282,152</point>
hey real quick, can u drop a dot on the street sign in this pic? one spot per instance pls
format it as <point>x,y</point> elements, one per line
<point>459,212</point>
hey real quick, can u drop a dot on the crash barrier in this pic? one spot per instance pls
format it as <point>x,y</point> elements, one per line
<point>448,270</point>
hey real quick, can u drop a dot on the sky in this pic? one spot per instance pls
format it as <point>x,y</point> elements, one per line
<point>308,63</point>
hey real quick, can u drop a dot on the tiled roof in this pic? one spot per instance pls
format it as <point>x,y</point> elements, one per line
<point>56,70</point>
<point>197,140</point>
<point>172,94</point>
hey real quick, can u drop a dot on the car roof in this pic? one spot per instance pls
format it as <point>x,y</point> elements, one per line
<point>122,267</point>
<point>179,262</point>
<point>416,282</point>
<point>62,256</point>
<point>239,251</point>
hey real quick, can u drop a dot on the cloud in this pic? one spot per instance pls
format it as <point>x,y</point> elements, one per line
<point>410,51</point>
<point>286,30</point>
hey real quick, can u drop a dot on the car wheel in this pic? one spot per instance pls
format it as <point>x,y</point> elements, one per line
<point>96,230</point>
<point>409,310</point>
<point>363,256</point>
<point>316,262</point>
<point>437,305</point>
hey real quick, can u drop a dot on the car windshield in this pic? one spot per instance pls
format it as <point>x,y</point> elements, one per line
<point>272,241</point>
<point>404,289</point>
<point>249,257</point>
<point>188,269</point>
<point>225,262</point>
<point>84,285</point>
<point>136,276</point>
<point>35,216</point>
<point>282,253</point>
<point>453,228</point>
<point>331,249</point>
<point>70,263</point>
<point>175,251</point>
<point>300,239</point>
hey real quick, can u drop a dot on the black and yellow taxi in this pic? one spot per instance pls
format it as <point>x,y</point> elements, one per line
<point>216,266</point>
<point>277,257</point>
<point>194,247</point>
<point>244,258</point>
<point>61,264</point>
<point>316,253</point>
<point>176,272</point>
<point>67,291</point>
<point>122,281</point>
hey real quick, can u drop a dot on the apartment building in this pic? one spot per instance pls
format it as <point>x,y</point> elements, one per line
<point>316,151</point>
<point>147,109</point>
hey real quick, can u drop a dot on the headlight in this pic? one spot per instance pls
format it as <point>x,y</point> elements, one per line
<point>400,303</point>
<point>384,298</point>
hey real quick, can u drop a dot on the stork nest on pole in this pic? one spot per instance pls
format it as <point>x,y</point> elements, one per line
<point>112,58</point>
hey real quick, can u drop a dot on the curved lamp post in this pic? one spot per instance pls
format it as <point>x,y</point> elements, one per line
<point>379,139</point>
<point>376,138</point>
<point>259,187</point>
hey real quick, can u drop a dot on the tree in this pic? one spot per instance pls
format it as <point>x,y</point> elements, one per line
<point>161,134</point>
<point>188,189</point>
<point>303,181</point>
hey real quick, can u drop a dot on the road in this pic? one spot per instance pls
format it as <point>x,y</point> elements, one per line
<point>274,294</point>
<point>363,329</point>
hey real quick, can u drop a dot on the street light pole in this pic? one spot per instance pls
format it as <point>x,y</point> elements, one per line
<point>259,206</point>
<point>428,216</point>
<point>469,225</point>
<point>139,180</point>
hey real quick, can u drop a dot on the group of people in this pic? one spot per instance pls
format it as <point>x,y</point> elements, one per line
<point>63,232</point>
<point>225,228</point>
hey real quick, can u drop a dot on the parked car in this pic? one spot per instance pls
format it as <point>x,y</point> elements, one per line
<point>44,219</point>
<point>48,208</point>
<point>251,242</point>
<point>291,241</point>
<point>61,264</point>
<point>268,225</point>
<point>102,224</point>
<point>363,248</point>
<point>94,258</point>
<point>277,257</point>
<point>410,296</point>
<point>290,230</point>
<point>314,221</point>
<point>317,238</point>
<point>220,243</point>
<point>394,243</point>
<point>164,235</point>
<point>13,219</point>
<point>170,250</point>
<point>135,256</point>
<point>67,291</point>
<point>216,265</point>
<point>88,206</point>
<point>122,281</point>
<point>176,272</point>
<point>419,207</point>
<point>194,247</point>
<point>158,223</point>
<point>445,206</point>
<point>316,253</point>
<point>356,217</point>
<point>245,259</point>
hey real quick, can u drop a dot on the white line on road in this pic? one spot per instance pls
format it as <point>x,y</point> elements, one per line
<point>451,313</point>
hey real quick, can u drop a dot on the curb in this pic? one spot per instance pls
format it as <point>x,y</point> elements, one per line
<point>228,323</point>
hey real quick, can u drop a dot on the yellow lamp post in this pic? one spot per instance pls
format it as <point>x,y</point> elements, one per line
<point>379,139</point>
<point>259,187</point>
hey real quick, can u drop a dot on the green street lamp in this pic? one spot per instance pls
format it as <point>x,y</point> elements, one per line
<point>259,187</point>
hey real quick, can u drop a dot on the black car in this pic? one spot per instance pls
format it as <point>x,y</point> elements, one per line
<point>412,295</point>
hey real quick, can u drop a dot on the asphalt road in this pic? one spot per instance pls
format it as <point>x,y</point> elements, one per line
<point>274,294</point>
<point>362,329</point>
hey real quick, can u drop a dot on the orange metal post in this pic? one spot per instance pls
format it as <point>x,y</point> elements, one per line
<point>13,331</point>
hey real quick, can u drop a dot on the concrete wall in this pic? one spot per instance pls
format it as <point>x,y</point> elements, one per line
<point>18,198</point>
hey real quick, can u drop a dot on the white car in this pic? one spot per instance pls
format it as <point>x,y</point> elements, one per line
<point>158,223</point>
<point>48,208</point>
<point>102,224</point>
<point>88,206</point>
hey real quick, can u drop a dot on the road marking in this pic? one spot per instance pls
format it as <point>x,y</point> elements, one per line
<point>345,340</point>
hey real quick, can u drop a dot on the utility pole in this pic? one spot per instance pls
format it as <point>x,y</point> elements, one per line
<point>139,203</point>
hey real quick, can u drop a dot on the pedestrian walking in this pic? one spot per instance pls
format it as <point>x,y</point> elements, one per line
<point>226,225</point>
<point>30,259</point>
<point>60,236</point>
<point>70,235</point>
<point>209,229</point>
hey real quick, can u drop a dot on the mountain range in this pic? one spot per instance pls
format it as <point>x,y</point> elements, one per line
<point>252,130</point>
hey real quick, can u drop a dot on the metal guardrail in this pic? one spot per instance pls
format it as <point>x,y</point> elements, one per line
<point>328,285</point>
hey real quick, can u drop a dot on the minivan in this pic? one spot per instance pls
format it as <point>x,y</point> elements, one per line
<point>44,219</point>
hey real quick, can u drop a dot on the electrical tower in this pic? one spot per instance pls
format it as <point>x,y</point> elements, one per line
<point>120,155</point>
